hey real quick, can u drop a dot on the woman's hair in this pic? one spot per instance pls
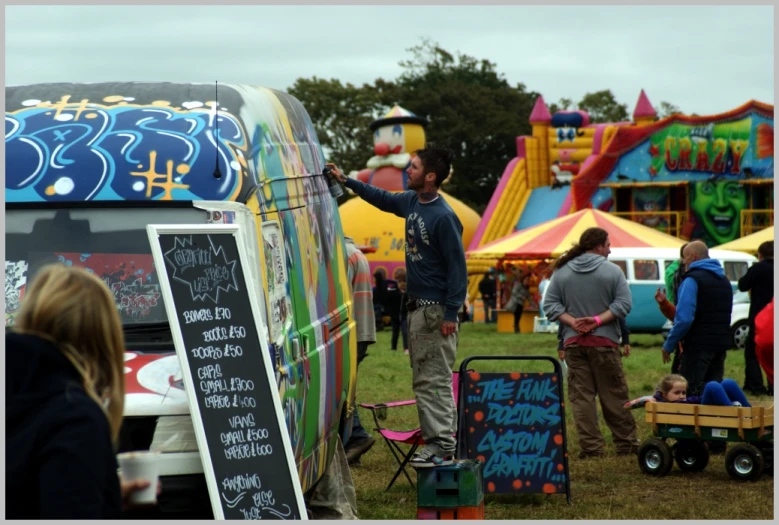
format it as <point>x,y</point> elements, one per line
<point>591,238</point>
<point>667,383</point>
<point>75,310</point>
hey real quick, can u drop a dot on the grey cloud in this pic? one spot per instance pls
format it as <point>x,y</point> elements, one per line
<point>705,59</point>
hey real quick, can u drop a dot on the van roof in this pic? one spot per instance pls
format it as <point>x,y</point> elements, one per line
<point>147,141</point>
<point>673,253</point>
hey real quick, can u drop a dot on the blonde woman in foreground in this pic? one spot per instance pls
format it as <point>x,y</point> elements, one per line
<point>64,400</point>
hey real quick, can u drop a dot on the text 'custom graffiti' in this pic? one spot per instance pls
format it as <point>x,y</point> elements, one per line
<point>515,427</point>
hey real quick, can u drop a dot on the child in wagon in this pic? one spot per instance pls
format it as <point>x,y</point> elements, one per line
<point>673,389</point>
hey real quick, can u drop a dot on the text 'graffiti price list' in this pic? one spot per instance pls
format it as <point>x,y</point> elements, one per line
<point>260,500</point>
<point>222,391</point>
<point>233,396</point>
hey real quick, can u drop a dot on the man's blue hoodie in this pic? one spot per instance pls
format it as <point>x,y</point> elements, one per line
<point>687,301</point>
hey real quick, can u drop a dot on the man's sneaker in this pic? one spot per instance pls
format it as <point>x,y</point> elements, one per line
<point>426,458</point>
<point>355,449</point>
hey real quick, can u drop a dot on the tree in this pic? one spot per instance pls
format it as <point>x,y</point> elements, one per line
<point>667,109</point>
<point>341,115</point>
<point>603,107</point>
<point>561,105</point>
<point>472,110</point>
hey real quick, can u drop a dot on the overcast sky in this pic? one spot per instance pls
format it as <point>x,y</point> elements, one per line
<point>704,59</point>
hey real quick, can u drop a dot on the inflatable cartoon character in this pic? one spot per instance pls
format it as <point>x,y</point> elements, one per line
<point>567,126</point>
<point>651,201</point>
<point>396,136</point>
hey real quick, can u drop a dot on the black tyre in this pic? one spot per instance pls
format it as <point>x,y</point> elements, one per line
<point>744,462</point>
<point>690,455</point>
<point>655,457</point>
<point>739,333</point>
<point>767,448</point>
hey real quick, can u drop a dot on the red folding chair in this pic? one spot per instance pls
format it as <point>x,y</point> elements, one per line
<point>394,438</point>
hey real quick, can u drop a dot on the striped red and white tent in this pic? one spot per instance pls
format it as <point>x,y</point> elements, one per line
<point>551,239</point>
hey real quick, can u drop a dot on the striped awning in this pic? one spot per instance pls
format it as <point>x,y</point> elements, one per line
<point>550,239</point>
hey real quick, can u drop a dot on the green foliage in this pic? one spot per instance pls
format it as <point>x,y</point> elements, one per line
<point>472,110</point>
<point>611,487</point>
<point>471,107</point>
<point>667,109</point>
<point>562,105</point>
<point>603,107</point>
<point>341,114</point>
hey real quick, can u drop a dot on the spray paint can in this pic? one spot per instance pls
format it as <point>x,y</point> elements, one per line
<point>335,188</point>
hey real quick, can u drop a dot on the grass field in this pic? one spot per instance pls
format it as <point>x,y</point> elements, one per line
<point>605,488</point>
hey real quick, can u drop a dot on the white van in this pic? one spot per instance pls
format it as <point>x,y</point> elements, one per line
<point>644,269</point>
<point>89,205</point>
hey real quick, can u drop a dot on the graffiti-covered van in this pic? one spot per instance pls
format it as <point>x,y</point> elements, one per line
<point>88,166</point>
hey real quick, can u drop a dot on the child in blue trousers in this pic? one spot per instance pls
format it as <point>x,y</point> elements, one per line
<point>673,389</point>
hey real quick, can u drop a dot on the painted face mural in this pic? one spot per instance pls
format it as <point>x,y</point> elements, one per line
<point>717,208</point>
<point>650,201</point>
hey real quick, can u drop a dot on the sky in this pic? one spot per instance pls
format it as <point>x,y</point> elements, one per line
<point>704,59</point>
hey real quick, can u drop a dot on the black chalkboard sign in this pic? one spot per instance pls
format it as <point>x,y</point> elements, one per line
<point>247,457</point>
<point>515,424</point>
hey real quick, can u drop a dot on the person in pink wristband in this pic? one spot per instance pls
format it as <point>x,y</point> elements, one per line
<point>587,295</point>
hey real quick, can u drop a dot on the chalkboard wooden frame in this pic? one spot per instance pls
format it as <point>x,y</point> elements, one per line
<point>463,435</point>
<point>154,231</point>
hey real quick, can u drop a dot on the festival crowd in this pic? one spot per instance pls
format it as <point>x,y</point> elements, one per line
<point>65,354</point>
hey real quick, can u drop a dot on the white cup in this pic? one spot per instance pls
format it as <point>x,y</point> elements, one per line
<point>141,464</point>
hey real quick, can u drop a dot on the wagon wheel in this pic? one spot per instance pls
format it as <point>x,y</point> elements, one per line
<point>691,455</point>
<point>744,462</point>
<point>655,457</point>
<point>767,448</point>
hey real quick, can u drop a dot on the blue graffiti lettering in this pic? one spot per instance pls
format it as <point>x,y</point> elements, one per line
<point>522,414</point>
<point>515,465</point>
<point>510,441</point>
<point>496,390</point>
<point>534,390</point>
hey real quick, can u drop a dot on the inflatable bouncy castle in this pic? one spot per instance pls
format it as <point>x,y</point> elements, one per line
<point>396,136</point>
<point>707,177</point>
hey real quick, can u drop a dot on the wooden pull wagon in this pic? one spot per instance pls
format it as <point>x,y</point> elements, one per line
<point>692,425</point>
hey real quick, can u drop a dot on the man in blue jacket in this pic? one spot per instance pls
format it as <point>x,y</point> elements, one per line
<point>702,321</point>
<point>437,283</point>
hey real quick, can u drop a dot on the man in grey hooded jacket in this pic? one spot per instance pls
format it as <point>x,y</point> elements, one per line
<point>587,295</point>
